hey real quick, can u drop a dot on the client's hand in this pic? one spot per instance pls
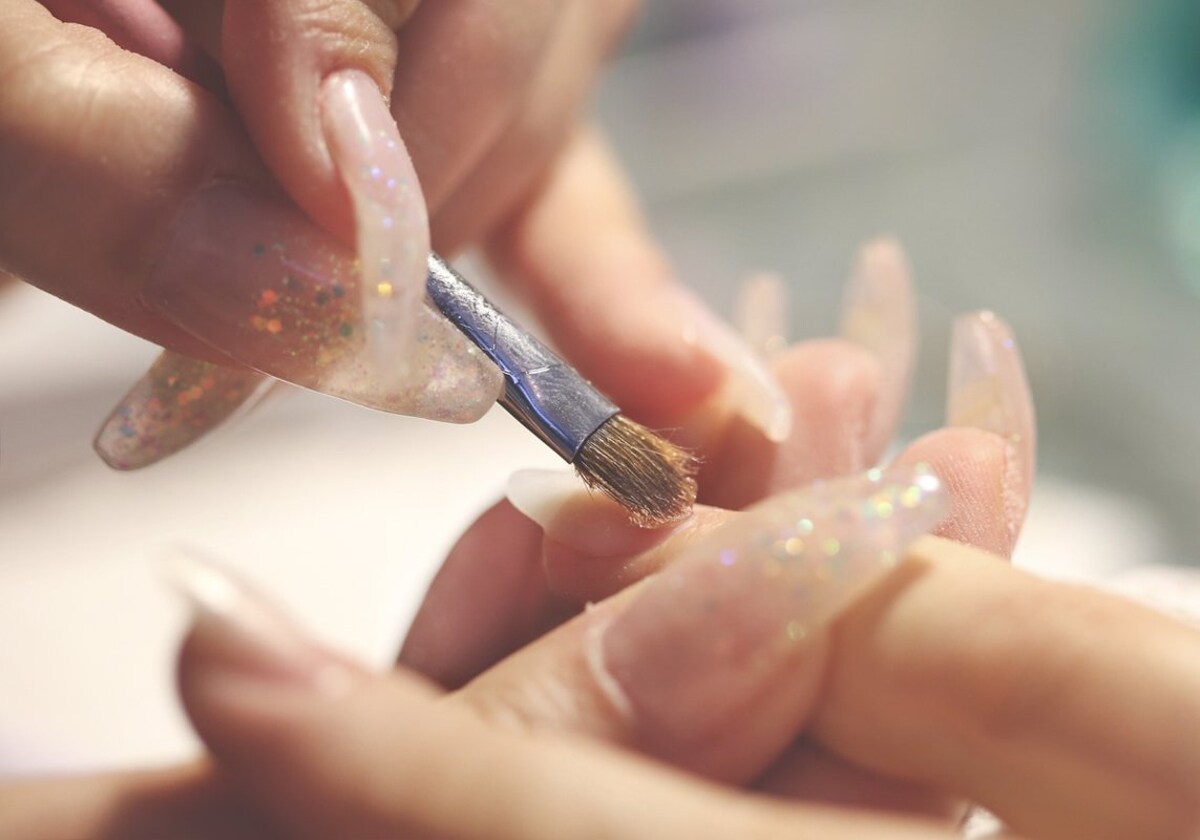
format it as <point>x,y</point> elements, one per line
<point>845,393</point>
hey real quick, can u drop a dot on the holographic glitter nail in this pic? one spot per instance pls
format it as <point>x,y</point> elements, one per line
<point>389,215</point>
<point>177,401</point>
<point>713,631</point>
<point>245,272</point>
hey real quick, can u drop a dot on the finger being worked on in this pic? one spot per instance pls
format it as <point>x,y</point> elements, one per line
<point>590,554</point>
<point>581,255</point>
<point>327,749</point>
<point>1056,707</point>
<point>713,663</point>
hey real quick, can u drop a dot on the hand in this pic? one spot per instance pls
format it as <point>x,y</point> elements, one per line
<point>138,227</point>
<point>834,382</point>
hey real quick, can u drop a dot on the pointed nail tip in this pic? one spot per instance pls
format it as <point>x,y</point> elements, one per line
<point>204,586</point>
<point>779,427</point>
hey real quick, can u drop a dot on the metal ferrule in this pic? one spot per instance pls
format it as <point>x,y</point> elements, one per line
<point>548,396</point>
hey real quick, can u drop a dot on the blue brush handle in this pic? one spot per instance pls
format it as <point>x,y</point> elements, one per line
<point>543,392</point>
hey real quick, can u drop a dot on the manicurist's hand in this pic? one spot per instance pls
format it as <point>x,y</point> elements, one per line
<point>254,185</point>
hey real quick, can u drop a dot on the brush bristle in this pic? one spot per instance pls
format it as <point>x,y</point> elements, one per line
<point>651,477</point>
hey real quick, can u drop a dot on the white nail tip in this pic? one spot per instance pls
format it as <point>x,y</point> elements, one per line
<point>541,494</point>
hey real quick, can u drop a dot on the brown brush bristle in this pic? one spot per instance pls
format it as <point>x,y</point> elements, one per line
<point>651,477</point>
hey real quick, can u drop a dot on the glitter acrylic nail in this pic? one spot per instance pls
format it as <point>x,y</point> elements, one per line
<point>389,215</point>
<point>249,275</point>
<point>177,401</point>
<point>706,633</point>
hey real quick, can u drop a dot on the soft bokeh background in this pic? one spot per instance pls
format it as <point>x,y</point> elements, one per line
<point>1038,158</point>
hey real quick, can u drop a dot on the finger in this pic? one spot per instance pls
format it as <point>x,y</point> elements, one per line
<point>731,635</point>
<point>174,235</point>
<point>988,497</point>
<point>988,390</point>
<point>277,56</point>
<point>808,772</point>
<point>185,802</point>
<point>580,255</point>
<point>538,128</point>
<point>591,554</point>
<point>1054,707</point>
<point>143,27</point>
<point>329,750</point>
<point>501,586</point>
<point>455,74</point>
<point>845,394</point>
<point>489,598</point>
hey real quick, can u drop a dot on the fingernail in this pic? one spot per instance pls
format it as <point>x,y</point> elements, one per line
<point>590,524</point>
<point>988,390</point>
<point>877,307</point>
<point>237,633</point>
<point>761,314</point>
<point>389,213</point>
<point>245,272</point>
<point>750,388</point>
<point>712,631</point>
<point>987,387</point>
<point>879,315</point>
<point>176,402</point>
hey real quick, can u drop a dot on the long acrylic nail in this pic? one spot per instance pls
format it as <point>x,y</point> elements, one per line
<point>879,315</point>
<point>245,272</point>
<point>177,401</point>
<point>389,214</point>
<point>237,633</point>
<point>988,390</point>
<point>877,308</point>
<point>750,386</point>
<point>760,314</point>
<point>713,630</point>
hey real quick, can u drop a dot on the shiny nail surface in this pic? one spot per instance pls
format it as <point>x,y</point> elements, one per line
<point>248,274</point>
<point>879,315</point>
<point>877,307</point>
<point>760,314</point>
<point>750,387</point>
<point>177,401</point>
<point>987,387</point>
<point>988,390</point>
<point>239,633</point>
<point>389,214</point>
<point>708,632</point>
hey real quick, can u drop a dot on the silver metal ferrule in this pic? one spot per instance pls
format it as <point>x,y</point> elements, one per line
<point>541,390</point>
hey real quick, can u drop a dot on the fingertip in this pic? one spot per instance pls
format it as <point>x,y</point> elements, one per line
<point>987,504</point>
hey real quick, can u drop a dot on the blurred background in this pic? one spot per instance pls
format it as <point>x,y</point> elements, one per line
<point>1038,158</point>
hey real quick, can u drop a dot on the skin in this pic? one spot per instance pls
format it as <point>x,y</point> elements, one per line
<point>1033,720</point>
<point>88,197</point>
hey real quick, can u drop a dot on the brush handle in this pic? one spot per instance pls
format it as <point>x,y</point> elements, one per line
<point>542,391</point>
